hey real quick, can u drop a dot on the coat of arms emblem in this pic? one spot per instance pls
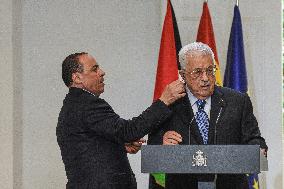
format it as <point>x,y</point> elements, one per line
<point>199,159</point>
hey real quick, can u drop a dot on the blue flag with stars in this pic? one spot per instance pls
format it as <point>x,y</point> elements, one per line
<point>235,73</point>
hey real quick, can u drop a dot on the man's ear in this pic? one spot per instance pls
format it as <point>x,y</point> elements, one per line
<point>76,78</point>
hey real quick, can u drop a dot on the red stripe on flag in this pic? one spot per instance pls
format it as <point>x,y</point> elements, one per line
<point>206,32</point>
<point>167,70</point>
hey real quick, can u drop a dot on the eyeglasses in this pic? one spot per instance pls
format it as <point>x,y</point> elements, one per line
<point>198,72</point>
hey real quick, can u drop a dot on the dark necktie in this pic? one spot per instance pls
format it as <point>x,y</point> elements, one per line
<point>202,120</point>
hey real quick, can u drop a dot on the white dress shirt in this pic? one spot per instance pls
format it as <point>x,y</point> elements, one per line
<point>193,100</point>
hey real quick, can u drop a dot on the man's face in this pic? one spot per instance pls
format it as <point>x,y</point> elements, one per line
<point>91,78</point>
<point>199,75</point>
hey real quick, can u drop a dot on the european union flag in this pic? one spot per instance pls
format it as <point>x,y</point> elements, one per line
<point>253,181</point>
<point>235,73</point>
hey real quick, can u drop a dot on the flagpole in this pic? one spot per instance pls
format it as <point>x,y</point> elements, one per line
<point>237,2</point>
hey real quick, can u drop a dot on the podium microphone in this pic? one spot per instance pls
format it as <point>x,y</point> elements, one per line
<point>222,104</point>
<point>190,123</point>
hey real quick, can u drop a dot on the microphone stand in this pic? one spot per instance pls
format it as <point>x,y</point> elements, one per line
<point>190,123</point>
<point>215,134</point>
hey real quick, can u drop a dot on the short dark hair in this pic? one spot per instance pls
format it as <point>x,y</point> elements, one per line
<point>71,65</point>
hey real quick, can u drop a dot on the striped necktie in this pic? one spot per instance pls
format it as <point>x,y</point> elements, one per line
<point>202,120</point>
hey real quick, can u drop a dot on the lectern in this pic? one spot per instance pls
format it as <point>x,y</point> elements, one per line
<point>211,159</point>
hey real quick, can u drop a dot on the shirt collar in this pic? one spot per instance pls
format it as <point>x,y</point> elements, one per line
<point>193,99</point>
<point>88,92</point>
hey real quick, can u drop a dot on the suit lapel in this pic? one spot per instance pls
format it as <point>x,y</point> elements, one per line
<point>185,110</point>
<point>216,112</point>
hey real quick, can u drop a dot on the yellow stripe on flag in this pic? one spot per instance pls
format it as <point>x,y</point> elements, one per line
<point>218,75</point>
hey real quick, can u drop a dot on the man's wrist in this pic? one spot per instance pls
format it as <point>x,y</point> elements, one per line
<point>164,101</point>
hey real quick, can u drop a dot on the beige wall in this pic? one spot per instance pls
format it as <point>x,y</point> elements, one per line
<point>6,96</point>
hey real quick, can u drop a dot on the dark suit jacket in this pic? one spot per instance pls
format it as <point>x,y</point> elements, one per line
<point>91,137</point>
<point>236,125</point>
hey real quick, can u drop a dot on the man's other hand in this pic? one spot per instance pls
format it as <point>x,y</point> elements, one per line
<point>134,147</point>
<point>172,92</point>
<point>171,138</point>
<point>264,152</point>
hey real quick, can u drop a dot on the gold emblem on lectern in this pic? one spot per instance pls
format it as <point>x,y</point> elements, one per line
<point>199,159</point>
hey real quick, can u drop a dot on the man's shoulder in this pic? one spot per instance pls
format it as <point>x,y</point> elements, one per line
<point>80,95</point>
<point>78,99</point>
<point>227,92</point>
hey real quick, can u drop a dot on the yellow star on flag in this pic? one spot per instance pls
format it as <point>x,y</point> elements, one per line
<point>255,184</point>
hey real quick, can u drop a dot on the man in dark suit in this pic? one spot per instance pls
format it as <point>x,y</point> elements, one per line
<point>92,137</point>
<point>207,115</point>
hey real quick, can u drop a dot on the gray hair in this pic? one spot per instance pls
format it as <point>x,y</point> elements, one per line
<point>190,49</point>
